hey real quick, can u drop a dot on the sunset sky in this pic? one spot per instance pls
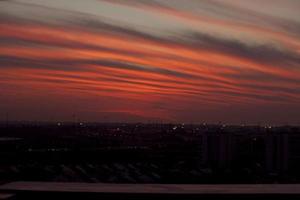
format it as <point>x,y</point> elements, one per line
<point>193,61</point>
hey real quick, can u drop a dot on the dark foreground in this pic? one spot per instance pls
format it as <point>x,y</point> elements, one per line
<point>149,153</point>
<point>46,190</point>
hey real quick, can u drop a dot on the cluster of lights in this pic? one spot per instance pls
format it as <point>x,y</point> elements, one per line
<point>59,124</point>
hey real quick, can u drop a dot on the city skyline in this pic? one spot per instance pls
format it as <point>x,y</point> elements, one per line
<point>164,60</point>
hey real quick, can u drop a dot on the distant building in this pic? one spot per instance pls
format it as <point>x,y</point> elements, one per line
<point>277,152</point>
<point>272,151</point>
<point>217,149</point>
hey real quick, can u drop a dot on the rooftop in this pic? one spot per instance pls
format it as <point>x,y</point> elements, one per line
<point>37,190</point>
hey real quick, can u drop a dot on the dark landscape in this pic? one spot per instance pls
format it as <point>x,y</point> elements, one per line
<point>149,153</point>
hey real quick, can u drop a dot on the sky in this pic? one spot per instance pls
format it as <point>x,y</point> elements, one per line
<point>150,61</point>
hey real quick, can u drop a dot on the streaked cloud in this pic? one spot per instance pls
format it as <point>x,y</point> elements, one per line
<point>170,60</point>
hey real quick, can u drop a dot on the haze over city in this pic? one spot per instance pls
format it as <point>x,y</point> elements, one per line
<point>138,61</point>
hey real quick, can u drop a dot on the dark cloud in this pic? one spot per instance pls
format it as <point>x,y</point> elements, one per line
<point>272,88</point>
<point>18,62</point>
<point>222,11</point>
<point>79,65</point>
<point>261,53</point>
<point>267,54</point>
<point>256,96</point>
<point>69,44</point>
<point>251,74</point>
<point>100,26</point>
